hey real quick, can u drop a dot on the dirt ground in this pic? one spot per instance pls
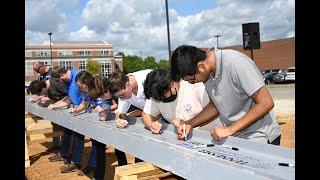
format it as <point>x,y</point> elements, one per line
<point>41,168</point>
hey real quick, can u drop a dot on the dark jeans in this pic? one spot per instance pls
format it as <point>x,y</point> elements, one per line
<point>56,140</point>
<point>276,141</point>
<point>94,155</point>
<point>97,158</point>
<point>77,145</point>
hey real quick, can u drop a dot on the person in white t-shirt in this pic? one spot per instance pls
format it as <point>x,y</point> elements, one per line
<point>173,101</point>
<point>129,89</point>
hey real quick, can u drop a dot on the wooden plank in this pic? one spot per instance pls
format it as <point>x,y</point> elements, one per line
<point>40,125</point>
<point>26,151</point>
<point>129,172</point>
<point>36,137</point>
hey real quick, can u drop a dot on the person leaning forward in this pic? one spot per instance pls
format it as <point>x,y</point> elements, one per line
<point>236,89</point>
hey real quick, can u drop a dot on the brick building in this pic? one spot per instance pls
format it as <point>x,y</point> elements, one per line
<point>72,55</point>
<point>275,54</point>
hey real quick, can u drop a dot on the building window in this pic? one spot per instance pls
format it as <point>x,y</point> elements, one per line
<point>105,68</point>
<point>84,53</point>
<point>42,53</point>
<point>64,53</point>
<point>103,53</point>
<point>28,54</point>
<point>47,63</point>
<point>28,69</point>
<point>82,65</point>
<point>66,64</point>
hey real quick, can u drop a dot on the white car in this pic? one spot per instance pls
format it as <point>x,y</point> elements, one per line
<point>290,74</point>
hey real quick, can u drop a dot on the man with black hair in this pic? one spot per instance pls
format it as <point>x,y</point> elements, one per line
<point>49,91</point>
<point>173,101</point>
<point>236,89</point>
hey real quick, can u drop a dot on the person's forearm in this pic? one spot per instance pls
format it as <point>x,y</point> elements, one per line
<point>147,119</point>
<point>135,113</point>
<point>63,102</point>
<point>39,97</point>
<point>114,107</point>
<point>81,107</point>
<point>208,114</point>
<point>253,115</point>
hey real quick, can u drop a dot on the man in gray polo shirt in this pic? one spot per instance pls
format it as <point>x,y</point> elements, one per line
<point>236,89</point>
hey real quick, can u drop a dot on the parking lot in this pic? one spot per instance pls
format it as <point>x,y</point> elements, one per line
<point>284,98</point>
<point>284,108</point>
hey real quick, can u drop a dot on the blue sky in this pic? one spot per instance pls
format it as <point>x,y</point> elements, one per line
<point>190,7</point>
<point>140,25</point>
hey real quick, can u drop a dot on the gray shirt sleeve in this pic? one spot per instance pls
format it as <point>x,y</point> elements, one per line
<point>246,75</point>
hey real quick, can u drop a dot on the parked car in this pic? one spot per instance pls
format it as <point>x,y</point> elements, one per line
<point>268,77</point>
<point>290,74</point>
<point>279,77</point>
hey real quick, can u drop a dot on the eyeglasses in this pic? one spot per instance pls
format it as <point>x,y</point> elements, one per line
<point>193,80</point>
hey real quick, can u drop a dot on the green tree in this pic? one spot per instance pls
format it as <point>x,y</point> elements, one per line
<point>93,67</point>
<point>132,64</point>
<point>164,64</point>
<point>150,63</point>
<point>120,54</point>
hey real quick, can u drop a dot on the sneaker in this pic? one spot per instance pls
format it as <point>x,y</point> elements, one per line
<point>70,168</point>
<point>53,148</point>
<point>86,171</point>
<point>56,157</point>
<point>67,160</point>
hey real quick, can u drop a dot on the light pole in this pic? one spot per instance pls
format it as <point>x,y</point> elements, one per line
<point>50,33</point>
<point>168,30</point>
<point>217,36</point>
<point>141,54</point>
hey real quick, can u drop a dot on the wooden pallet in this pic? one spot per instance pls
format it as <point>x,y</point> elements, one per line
<point>36,131</point>
<point>139,171</point>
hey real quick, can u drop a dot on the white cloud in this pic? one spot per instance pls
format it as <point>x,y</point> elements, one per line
<point>84,34</point>
<point>43,16</point>
<point>134,26</point>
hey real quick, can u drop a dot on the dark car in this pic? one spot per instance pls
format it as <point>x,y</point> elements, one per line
<point>268,77</point>
<point>279,77</point>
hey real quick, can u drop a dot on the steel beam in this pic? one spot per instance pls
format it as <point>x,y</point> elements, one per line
<point>252,160</point>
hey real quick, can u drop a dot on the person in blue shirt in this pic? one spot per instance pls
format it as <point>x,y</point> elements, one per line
<point>104,102</point>
<point>80,100</point>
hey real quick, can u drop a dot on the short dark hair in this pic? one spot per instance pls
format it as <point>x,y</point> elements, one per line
<point>59,70</point>
<point>85,78</point>
<point>101,86</point>
<point>54,74</point>
<point>117,81</point>
<point>157,83</point>
<point>184,61</point>
<point>36,86</point>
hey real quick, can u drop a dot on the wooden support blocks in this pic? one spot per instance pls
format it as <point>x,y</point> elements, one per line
<point>26,152</point>
<point>139,171</point>
<point>38,137</point>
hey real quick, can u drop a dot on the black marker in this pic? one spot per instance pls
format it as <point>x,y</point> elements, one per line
<point>204,145</point>
<point>230,147</point>
<point>286,164</point>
